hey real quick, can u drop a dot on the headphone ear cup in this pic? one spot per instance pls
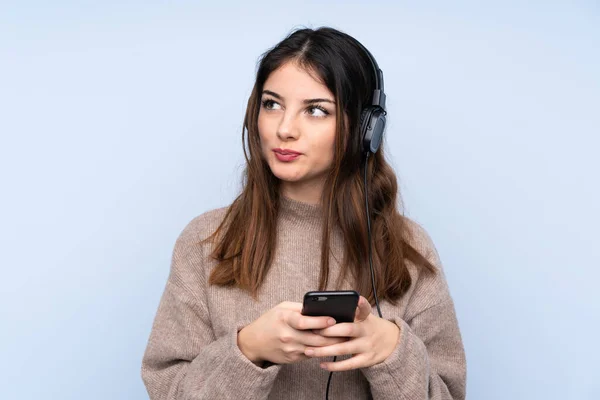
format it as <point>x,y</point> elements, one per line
<point>365,117</point>
<point>372,127</point>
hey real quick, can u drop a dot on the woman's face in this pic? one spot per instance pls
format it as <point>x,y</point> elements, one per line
<point>296,125</point>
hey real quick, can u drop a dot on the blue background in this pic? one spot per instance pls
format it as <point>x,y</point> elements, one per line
<point>121,121</point>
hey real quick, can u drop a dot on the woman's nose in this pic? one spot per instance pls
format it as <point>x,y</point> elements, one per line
<point>288,128</point>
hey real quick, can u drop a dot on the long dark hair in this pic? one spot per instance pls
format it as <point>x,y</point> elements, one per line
<point>244,260</point>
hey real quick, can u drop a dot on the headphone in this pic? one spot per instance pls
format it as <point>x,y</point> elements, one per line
<point>373,117</point>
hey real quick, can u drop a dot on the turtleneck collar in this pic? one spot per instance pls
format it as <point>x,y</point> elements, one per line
<point>304,214</point>
<point>305,218</point>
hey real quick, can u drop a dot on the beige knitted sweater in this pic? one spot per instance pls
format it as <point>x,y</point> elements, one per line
<point>192,351</point>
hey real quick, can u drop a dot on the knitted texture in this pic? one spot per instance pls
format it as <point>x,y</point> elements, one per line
<point>192,350</point>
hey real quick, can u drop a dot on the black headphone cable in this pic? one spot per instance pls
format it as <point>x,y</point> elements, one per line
<point>370,261</point>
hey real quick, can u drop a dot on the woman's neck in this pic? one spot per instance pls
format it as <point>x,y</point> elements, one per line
<point>309,193</point>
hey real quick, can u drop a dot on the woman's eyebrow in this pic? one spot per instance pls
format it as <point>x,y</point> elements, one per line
<point>307,101</point>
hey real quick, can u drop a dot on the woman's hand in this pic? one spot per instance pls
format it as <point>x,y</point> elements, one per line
<point>371,340</point>
<point>282,334</point>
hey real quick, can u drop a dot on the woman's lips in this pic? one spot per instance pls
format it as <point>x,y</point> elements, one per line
<point>286,157</point>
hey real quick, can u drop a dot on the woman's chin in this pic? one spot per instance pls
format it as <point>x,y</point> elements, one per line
<point>287,177</point>
<point>286,172</point>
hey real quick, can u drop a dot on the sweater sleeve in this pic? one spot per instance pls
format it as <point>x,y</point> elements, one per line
<point>429,360</point>
<point>183,358</point>
<point>427,363</point>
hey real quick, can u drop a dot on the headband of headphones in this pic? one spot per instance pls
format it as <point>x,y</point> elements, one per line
<point>373,116</point>
<point>378,94</point>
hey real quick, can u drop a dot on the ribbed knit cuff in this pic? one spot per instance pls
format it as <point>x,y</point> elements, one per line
<point>268,371</point>
<point>406,370</point>
<point>227,373</point>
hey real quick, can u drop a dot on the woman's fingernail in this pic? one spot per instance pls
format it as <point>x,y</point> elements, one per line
<point>310,352</point>
<point>323,366</point>
<point>331,321</point>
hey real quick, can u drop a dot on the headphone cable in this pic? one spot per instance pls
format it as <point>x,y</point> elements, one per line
<point>370,261</point>
<point>369,233</point>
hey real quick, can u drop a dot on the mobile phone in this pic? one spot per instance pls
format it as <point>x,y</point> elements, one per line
<point>338,304</point>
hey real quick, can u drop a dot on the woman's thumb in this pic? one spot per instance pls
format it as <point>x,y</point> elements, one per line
<point>362,310</point>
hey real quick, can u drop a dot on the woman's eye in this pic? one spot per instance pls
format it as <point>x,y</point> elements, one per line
<point>321,112</point>
<point>268,104</point>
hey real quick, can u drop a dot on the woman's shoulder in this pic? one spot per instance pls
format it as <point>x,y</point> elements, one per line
<point>428,289</point>
<point>189,259</point>
<point>203,225</point>
<point>420,239</point>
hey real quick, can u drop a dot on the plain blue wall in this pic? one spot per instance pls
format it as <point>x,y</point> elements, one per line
<point>121,121</point>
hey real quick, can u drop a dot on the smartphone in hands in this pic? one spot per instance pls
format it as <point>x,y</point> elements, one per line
<point>338,304</point>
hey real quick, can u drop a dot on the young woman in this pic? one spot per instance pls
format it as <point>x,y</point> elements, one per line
<point>229,323</point>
